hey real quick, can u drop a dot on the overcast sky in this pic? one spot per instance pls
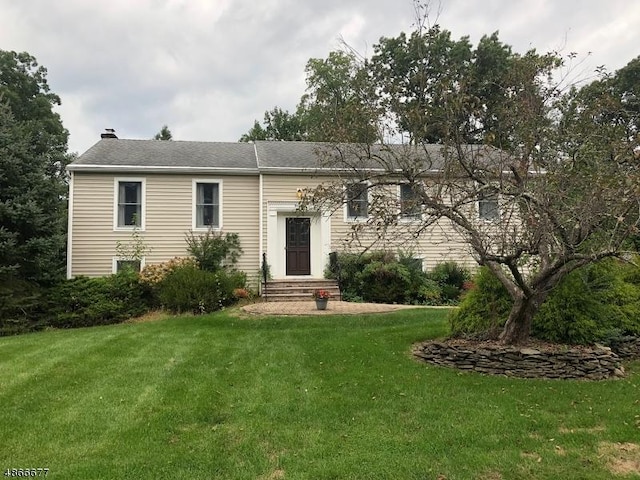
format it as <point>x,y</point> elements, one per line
<point>208,68</point>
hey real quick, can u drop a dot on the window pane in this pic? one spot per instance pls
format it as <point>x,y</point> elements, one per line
<point>488,206</point>
<point>409,206</point>
<point>131,192</point>
<point>207,205</point>
<point>357,200</point>
<point>132,215</point>
<point>209,193</point>
<point>127,265</point>
<point>129,204</point>
<point>207,215</point>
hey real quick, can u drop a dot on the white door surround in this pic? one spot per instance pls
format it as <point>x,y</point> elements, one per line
<point>277,213</point>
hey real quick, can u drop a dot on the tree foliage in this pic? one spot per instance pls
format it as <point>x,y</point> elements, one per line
<point>560,164</point>
<point>33,156</point>
<point>337,104</point>
<point>278,125</point>
<point>163,134</point>
<point>334,107</point>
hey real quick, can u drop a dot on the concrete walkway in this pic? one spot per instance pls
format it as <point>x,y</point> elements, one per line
<point>308,307</point>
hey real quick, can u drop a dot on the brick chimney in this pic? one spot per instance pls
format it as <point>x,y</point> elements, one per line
<point>108,133</point>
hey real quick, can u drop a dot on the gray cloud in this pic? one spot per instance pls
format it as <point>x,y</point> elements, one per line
<point>209,68</point>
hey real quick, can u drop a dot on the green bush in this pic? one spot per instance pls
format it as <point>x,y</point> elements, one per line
<point>385,282</point>
<point>382,276</point>
<point>421,289</point>
<point>21,306</point>
<point>236,278</point>
<point>213,250</point>
<point>85,302</point>
<point>484,309</point>
<point>428,292</point>
<point>451,278</point>
<point>348,269</point>
<point>190,289</point>
<point>596,303</point>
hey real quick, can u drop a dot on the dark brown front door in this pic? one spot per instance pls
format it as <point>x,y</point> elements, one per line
<point>298,246</point>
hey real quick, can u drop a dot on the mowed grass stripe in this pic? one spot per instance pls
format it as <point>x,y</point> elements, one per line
<point>327,397</point>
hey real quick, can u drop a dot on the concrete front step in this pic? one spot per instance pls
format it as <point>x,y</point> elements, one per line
<point>296,290</point>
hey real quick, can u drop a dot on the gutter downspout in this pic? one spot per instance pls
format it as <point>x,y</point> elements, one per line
<point>260,219</point>
<point>70,228</point>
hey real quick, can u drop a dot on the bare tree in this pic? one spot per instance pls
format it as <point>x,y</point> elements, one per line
<point>551,183</point>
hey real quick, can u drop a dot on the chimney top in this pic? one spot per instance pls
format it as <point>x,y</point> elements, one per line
<point>108,133</point>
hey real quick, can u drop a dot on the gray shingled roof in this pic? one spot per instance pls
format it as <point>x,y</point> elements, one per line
<point>159,153</point>
<point>249,158</point>
<point>293,155</point>
<point>314,155</point>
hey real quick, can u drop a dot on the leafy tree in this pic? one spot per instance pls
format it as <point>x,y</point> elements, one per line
<point>416,73</point>
<point>278,125</point>
<point>255,133</point>
<point>626,87</point>
<point>560,192</point>
<point>337,105</point>
<point>333,109</point>
<point>163,134</point>
<point>427,77</point>
<point>33,187</point>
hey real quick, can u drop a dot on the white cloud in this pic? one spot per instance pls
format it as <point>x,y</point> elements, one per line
<point>208,68</point>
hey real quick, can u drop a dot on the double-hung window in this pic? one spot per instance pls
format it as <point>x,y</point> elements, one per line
<point>488,208</point>
<point>129,203</point>
<point>357,200</point>
<point>409,202</point>
<point>207,211</point>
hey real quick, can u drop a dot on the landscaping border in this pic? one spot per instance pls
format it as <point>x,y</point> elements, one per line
<point>543,361</point>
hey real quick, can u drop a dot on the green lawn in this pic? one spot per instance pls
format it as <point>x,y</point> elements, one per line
<point>293,398</point>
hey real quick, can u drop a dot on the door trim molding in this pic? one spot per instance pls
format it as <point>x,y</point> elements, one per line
<point>274,237</point>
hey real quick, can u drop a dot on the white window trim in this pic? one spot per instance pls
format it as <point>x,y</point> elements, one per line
<point>362,218</point>
<point>407,218</point>
<point>143,196</point>
<point>194,197</point>
<point>115,260</point>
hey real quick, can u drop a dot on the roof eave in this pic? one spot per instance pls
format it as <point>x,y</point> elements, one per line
<point>88,168</point>
<point>331,170</point>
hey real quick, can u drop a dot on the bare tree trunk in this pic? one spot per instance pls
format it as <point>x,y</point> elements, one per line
<point>518,327</point>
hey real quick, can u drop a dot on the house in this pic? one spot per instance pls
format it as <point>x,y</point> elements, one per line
<point>161,190</point>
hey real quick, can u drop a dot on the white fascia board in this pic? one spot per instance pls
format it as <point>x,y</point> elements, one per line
<point>159,169</point>
<point>320,171</point>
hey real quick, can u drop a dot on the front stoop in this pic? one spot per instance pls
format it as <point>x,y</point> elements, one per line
<point>296,290</point>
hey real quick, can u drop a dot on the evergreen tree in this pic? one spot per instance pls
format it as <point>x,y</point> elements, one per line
<point>163,134</point>
<point>33,187</point>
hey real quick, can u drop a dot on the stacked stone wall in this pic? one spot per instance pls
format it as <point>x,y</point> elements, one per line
<point>597,363</point>
<point>626,347</point>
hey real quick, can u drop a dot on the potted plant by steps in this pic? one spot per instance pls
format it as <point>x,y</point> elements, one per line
<point>321,297</point>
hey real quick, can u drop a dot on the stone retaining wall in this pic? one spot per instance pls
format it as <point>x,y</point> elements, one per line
<point>626,347</point>
<point>598,363</point>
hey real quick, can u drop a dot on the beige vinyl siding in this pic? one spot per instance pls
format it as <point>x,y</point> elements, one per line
<point>281,187</point>
<point>438,244</point>
<point>92,230</point>
<point>169,210</point>
<point>241,216</point>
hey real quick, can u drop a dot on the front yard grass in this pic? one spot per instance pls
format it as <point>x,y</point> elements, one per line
<point>333,397</point>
